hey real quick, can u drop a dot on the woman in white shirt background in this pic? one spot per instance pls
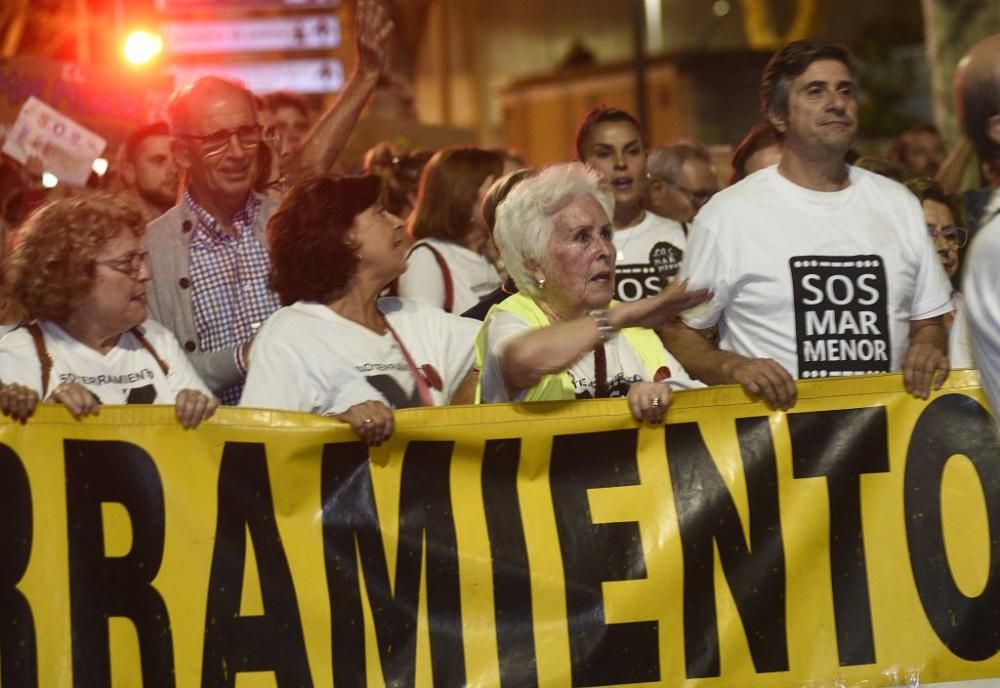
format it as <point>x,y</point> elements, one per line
<point>448,266</point>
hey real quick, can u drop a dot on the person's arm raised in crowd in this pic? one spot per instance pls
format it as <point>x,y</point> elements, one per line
<point>762,378</point>
<point>549,350</point>
<point>954,167</point>
<point>926,361</point>
<point>330,133</point>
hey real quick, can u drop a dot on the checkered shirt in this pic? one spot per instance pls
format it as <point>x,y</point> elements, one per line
<point>230,283</point>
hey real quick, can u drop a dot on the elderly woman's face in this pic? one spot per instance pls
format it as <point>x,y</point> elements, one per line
<point>117,299</point>
<point>579,270</point>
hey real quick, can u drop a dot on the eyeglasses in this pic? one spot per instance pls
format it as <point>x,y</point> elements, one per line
<point>697,196</point>
<point>130,264</point>
<point>248,137</point>
<point>953,234</point>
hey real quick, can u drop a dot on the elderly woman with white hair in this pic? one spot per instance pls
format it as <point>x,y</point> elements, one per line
<point>561,337</point>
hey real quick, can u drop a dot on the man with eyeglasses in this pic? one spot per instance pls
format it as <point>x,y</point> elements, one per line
<point>681,180</point>
<point>818,269</point>
<point>978,94</point>
<point>209,259</point>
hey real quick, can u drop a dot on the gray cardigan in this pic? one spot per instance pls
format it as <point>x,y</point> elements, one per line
<point>168,239</point>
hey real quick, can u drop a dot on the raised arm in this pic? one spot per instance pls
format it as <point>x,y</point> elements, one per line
<point>330,133</point>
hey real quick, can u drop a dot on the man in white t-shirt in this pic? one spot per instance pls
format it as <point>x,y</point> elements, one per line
<point>978,92</point>
<point>817,269</point>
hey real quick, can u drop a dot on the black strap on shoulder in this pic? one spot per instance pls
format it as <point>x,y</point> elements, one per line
<point>38,337</point>
<point>138,334</point>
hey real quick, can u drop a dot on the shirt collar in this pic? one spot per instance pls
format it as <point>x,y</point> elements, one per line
<point>244,217</point>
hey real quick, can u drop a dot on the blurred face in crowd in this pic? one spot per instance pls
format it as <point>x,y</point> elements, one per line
<point>822,110</point>
<point>948,238</point>
<point>697,181</point>
<point>765,157</point>
<point>615,150</point>
<point>291,127</point>
<point>219,147</point>
<point>579,270</point>
<point>153,174</point>
<point>922,153</point>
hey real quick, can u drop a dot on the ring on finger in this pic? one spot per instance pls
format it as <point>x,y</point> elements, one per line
<point>656,402</point>
<point>367,421</point>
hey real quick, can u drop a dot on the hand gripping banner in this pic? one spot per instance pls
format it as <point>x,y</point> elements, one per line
<point>851,541</point>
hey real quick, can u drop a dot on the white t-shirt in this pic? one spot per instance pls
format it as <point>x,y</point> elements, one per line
<point>959,337</point>
<point>981,288</point>
<point>472,275</point>
<point>825,283</point>
<point>306,357</point>
<point>650,249</point>
<point>623,364</point>
<point>128,374</point>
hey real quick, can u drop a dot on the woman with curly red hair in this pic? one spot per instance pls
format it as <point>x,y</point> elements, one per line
<point>79,272</point>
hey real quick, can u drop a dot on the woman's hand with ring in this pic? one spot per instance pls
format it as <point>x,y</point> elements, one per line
<point>371,420</point>
<point>648,401</point>
<point>192,407</point>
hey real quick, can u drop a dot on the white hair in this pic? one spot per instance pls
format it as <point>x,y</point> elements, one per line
<point>524,218</point>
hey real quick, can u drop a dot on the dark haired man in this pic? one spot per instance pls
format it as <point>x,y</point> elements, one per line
<point>291,123</point>
<point>149,171</point>
<point>648,247</point>
<point>978,94</point>
<point>918,151</point>
<point>817,269</point>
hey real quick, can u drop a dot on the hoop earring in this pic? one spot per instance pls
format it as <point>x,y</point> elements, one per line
<point>541,283</point>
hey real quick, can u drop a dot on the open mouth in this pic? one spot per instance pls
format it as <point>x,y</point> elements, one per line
<point>621,183</point>
<point>601,277</point>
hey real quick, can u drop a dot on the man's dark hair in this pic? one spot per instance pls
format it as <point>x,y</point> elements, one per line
<point>136,138</point>
<point>600,115</point>
<point>789,63</point>
<point>310,256</point>
<point>280,99</point>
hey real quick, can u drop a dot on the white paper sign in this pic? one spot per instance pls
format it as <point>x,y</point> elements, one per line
<point>67,149</point>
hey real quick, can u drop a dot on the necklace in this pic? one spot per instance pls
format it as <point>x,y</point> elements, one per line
<point>620,251</point>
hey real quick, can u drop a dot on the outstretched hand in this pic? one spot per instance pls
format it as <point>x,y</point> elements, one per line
<point>656,311</point>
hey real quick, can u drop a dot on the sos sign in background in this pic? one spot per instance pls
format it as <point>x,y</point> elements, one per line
<point>855,538</point>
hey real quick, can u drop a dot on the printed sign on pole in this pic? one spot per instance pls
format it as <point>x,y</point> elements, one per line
<point>67,149</point>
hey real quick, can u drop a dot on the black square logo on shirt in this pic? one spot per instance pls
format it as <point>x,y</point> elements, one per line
<point>841,315</point>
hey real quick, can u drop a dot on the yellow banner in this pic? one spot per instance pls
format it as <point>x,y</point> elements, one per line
<point>852,541</point>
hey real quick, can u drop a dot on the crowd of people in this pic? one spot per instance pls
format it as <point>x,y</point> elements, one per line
<point>237,268</point>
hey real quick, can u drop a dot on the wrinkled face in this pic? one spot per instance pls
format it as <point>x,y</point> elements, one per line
<point>615,150</point>
<point>382,242</point>
<point>291,127</point>
<point>579,269</point>
<point>698,182</point>
<point>923,153</point>
<point>117,299</point>
<point>223,170</point>
<point>154,174</point>
<point>941,225</point>
<point>822,110</point>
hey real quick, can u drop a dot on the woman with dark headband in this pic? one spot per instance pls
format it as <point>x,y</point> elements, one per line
<point>336,348</point>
